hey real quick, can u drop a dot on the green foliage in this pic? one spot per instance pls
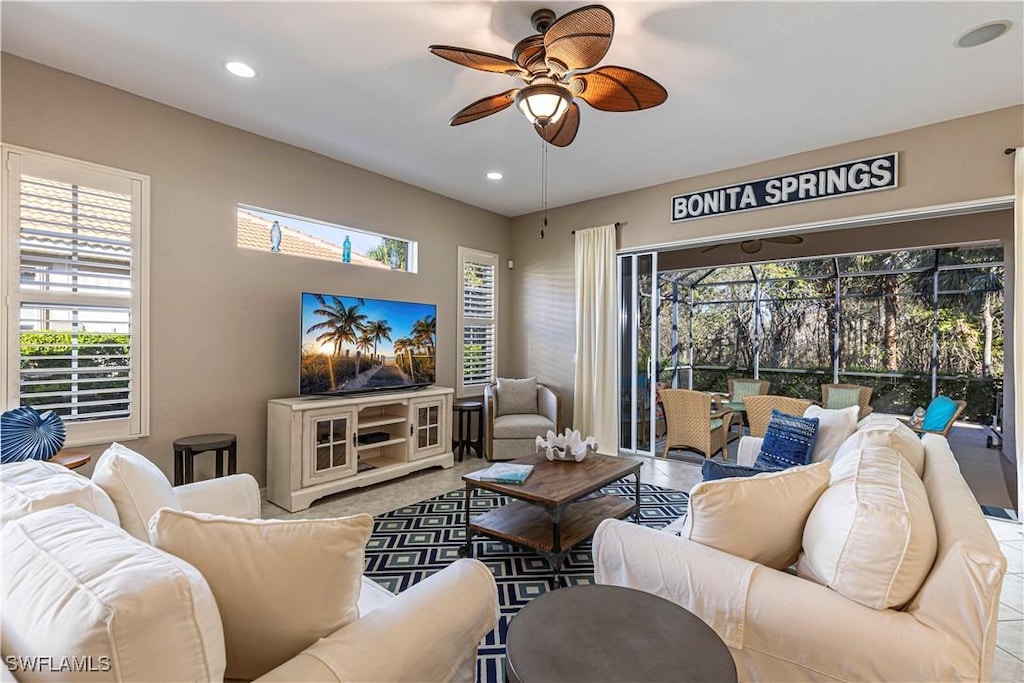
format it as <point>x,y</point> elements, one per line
<point>388,246</point>
<point>92,350</point>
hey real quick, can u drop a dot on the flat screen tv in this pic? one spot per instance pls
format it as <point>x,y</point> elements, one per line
<point>352,344</point>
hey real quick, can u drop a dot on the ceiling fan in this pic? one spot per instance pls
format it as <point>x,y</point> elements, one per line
<point>754,246</point>
<point>552,65</point>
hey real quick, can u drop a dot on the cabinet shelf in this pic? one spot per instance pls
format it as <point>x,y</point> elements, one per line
<point>380,444</point>
<point>381,421</point>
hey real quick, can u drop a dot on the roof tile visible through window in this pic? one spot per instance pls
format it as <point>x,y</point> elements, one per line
<point>254,233</point>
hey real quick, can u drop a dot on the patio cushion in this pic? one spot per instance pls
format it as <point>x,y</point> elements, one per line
<point>834,427</point>
<point>741,389</point>
<point>843,398</point>
<point>716,423</point>
<point>521,426</point>
<point>940,411</point>
<point>788,442</point>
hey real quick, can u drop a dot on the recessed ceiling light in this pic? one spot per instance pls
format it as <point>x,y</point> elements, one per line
<point>241,69</point>
<point>494,175</point>
<point>985,33</point>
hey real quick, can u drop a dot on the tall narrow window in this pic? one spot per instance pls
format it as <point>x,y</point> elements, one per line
<point>75,330</point>
<point>478,316</point>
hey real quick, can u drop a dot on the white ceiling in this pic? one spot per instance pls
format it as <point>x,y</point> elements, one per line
<point>747,81</point>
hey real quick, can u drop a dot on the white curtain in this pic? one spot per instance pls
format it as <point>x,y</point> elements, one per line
<point>1018,322</point>
<point>594,394</point>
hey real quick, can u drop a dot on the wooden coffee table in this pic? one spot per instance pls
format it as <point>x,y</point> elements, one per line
<point>553,511</point>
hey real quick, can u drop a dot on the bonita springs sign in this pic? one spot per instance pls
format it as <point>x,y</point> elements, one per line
<point>851,177</point>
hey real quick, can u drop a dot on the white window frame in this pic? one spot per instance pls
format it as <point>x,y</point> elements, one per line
<point>96,431</point>
<point>484,257</point>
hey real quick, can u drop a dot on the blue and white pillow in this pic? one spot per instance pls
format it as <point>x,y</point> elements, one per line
<point>788,442</point>
<point>712,470</point>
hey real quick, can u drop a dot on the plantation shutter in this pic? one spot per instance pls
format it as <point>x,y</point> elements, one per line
<point>477,320</point>
<point>77,315</point>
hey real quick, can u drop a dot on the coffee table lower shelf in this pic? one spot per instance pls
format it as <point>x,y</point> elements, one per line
<point>533,526</point>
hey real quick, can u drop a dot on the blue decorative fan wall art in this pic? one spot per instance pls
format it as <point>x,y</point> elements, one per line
<point>27,434</point>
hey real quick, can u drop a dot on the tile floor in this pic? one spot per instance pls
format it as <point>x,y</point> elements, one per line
<point>679,474</point>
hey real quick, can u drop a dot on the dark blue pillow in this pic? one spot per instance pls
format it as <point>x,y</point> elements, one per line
<point>788,442</point>
<point>713,470</point>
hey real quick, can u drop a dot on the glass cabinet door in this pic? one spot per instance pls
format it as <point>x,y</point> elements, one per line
<point>427,428</point>
<point>330,451</point>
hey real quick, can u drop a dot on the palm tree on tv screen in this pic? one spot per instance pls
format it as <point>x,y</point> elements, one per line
<point>379,330</point>
<point>363,344</point>
<point>423,331</point>
<point>403,345</point>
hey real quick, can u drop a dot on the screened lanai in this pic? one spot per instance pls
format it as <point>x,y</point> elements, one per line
<point>910,324</point>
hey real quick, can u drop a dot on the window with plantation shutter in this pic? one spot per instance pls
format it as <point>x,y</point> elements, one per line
<point>75,329</point>
<point>478,315</point>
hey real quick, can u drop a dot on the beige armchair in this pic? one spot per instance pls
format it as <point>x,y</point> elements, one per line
<point>516,412</point>
<point>839,396</point>
<point>691,424</point>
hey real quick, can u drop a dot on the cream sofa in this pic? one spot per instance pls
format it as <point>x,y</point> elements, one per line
<point>76,584</point>
<point>781,627</point>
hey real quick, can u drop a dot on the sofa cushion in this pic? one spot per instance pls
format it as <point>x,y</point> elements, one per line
<point>517,396</point>
<point>834,427</point>
<point>521,426</point>
<point>32,485</point>
<point>938,414</point>
<point>871,536</point>
<point>760,518</point>
<point>890,433</point>
<point>137,487</point>
<point>72,584</point>
<point>280,584</point>
<point>788,441</point>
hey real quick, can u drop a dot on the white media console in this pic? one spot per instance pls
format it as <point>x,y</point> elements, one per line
<point>314,447</point>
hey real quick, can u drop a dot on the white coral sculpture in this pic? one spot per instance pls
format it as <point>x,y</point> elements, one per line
<point>568,446</point>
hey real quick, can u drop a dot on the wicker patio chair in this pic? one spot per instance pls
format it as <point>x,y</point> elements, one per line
<point>960,406</point>
<point>691,424</point>
<point>837,396</point>
<point>759,410</point>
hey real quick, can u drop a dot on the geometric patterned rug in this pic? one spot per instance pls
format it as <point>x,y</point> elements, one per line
<point>413,542</point>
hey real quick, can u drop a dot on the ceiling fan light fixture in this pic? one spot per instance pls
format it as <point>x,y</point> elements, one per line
<point>543,104</point>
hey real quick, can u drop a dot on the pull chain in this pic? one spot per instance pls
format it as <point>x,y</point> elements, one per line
<point>544,185</point>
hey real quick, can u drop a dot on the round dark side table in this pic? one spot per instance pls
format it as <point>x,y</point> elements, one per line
<point>593,634</point>
<point>465,409</point>
<point>185,449</point>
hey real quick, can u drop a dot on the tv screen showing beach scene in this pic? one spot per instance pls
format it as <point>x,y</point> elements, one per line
<point>358,344</point>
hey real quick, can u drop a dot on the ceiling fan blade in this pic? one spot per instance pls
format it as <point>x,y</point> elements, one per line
<point>474,59</point>
<point>707,249</point>
<point>616,88</point>
<point>785,239</point>
<point>484,107</point>
<point>750,246</point>
<point>563,131</point>
<point>579,39</point>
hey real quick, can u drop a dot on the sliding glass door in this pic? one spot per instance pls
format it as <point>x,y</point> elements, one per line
<point>638,352</point>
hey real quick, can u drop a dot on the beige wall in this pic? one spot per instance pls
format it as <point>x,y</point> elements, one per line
<point>225,320</point>
<point>950,162</point>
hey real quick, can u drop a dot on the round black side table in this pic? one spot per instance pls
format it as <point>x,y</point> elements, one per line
<point>185,449</point>
<point>465,409</point>
<point>594,634</point>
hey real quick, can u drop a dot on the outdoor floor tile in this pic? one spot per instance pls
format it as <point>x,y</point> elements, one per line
<point>1007,668</point>
<point>1007,613</point>
<point>1013,591</point>
<point>1010,637</point>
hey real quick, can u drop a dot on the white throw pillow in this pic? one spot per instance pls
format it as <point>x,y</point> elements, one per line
<point>871,536</point>
<point>760,518</point>
<point>894,435</point>
<point>517,396</point>
<point>74,585</point>
<point>32,485</point>
<point>137,487</point>
<point>834,427</point>
<point>280,584</point>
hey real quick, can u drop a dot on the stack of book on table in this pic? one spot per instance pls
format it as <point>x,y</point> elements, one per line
<point>504,473</point>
